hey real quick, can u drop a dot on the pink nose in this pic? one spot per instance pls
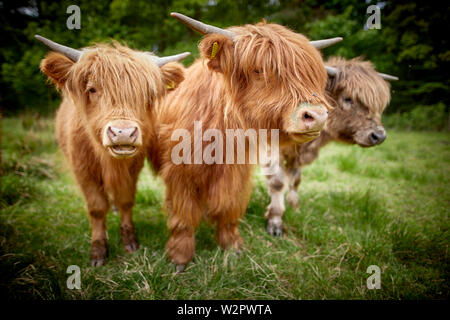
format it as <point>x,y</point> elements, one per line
<point>122,136</point>
<point>314,118</point>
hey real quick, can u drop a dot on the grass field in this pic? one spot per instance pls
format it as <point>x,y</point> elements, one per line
<point>387,206</point>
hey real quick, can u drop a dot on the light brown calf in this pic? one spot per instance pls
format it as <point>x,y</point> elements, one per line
<point>261,76</point>
<point>104,124</point>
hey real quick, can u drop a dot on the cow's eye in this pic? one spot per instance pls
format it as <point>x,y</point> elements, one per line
<point>257,71</point>
<point>348,100</point>
<point>92,90</point>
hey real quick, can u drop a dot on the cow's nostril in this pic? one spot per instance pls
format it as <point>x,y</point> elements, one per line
<point>134,133</point>
<point>374,137</point>
<point>111,132</point>
<point>307,116</point>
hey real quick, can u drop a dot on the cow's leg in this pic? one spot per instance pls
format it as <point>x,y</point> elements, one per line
<point>184,216</point>
<point>227,232</point>
<point>277,184</point>
<point>227,219</point>
<point>124,199</point>
<point>294,177</point>
<point>97,205</point>
<point>129,239</point>
<point>226,211</point>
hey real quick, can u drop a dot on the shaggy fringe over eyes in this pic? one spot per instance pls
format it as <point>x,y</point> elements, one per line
<point>284,58</point>
<point>124,76</point>
<point>361,81</point>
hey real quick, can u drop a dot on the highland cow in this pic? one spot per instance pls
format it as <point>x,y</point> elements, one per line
<point>261,76</point>
<point>104,124</point>
<point>359,96</point>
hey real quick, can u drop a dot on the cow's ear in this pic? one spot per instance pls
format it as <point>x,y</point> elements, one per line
<point>173,74</point>
<point>218,49</point>
<point>56,66</point>
<point>332,82</point>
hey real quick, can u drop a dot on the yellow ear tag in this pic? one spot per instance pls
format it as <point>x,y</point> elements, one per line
<point>215,47</point>
<point>171,85</point>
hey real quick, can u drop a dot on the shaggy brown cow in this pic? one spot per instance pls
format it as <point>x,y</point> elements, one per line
<point>359,95</point>
<point>104,123</point>
<point>261,76</point>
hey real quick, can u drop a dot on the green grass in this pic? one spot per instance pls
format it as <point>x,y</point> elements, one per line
<point>385,206</point>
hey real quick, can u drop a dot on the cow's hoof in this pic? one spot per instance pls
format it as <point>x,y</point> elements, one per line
<point>275,230</point>
<point>97,262</point>
<point>180,268</point>
<point>132,247</point>
<point>238,253</point>
<point>99,252</point>
<point>129,238</point>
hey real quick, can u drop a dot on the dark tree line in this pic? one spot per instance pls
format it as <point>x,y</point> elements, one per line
<point>412,42</point>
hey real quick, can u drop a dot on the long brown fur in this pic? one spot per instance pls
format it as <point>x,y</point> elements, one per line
<point>127,87</point>
<point>348,122</point>
<point>257,81</point>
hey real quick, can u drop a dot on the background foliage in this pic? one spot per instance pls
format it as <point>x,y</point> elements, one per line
<point>410,43</point>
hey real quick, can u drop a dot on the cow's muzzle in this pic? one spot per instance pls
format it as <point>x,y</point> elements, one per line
<point>371,137</point>
<point>377,136</point>
<point>307,122</point>
<point>122,138</point>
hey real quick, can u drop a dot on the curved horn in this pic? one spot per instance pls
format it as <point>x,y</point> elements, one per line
<point>388,77</point>
<point>163,60</point>
<point>331,71</point>
<point>201,27</point>
<point>320,44</point>
<point>70,53</point>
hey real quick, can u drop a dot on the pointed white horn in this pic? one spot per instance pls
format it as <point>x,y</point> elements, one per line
<point>70,53</point>
<point>160,61</point>
<point>320,44</point>
<point>388,77</point>
<point>201,27</point>
<point>331,71</point>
